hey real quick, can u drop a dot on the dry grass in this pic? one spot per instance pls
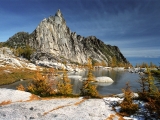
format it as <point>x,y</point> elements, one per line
<point>14,75</point>
<point>59,107</point>
<point>21,87</point>
<point>115,117</point>
<point>77,103</point>
<point>56,108</point>
<point>33,97</point>
<point>5,102</point>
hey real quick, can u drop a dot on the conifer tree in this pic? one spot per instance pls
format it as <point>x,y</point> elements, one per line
<point>143,88</point>
<point>150,81</point>
<point>41,86</point>
<point>88,89</point>
<point>127,106</point>
<point>64,86</point>
<point>114,61</point>
<point>103,63</point>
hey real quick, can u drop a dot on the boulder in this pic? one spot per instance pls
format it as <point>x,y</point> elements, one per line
<point>75,77</point>
<point>104,79</point>
<point>103,83</point>
<point>15,62</point>
<point>31,66</point>
<point>121,95</point>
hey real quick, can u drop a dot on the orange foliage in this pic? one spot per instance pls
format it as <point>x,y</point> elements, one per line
<point>88,89</point>
<point>64,86</point>
<point>5,102</point>
<point>20,87</point>
<point>127,106</point>
<point>41,86</point>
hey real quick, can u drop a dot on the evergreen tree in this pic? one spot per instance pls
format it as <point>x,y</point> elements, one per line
<point>88,89</point>
<point>127,105</point>
<point>41,86</point>
<point>64,86</point>
<point>114,61</point>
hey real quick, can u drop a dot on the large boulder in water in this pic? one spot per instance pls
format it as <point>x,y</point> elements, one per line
<point>104,79</point>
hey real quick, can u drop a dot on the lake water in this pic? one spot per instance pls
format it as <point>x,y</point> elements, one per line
<point>120,79</point>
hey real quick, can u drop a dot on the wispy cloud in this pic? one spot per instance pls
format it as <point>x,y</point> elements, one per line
<point>149,52</point>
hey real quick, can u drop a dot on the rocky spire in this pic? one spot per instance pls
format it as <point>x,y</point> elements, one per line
<point>58,13</point>
<point>59,17</point>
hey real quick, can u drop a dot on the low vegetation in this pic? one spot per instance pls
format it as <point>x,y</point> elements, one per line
<point>96,63</point>
<point>9,75</point>
<point>150,93</point>
<point>21,87</point>
<point>145,65</point>
<point>25,52</point>
<point>41,86</point>
<point>1,44</point>
<point>44,85</point>
<point>156,72</point>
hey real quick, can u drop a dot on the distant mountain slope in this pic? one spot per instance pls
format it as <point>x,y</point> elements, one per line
<point>52,36</point>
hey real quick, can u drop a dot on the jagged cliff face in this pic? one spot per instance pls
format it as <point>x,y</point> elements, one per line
<point>54,37</point>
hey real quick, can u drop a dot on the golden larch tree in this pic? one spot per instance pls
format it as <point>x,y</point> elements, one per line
<point>88,89</point>
<point>64,86</point>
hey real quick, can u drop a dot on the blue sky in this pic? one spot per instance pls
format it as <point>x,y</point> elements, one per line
<point>132,25</point>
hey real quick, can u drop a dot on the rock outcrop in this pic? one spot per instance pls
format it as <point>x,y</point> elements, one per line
<point>104,79</point>
<point>8,59</point>
<point>54,38</point>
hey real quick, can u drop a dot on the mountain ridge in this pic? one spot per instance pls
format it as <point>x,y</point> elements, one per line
<point>53,36</point>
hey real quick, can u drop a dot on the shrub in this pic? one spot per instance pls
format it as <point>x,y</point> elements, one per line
<point>150,93</point>
<point>148,89</point>
<point>41,86</point>
<point>154,104</point>
<point>21,87</point>
<point>24,52</point>
<point>156,72</point>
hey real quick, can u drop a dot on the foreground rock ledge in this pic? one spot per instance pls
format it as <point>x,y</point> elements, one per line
<point>51,109</point>
<point>57,109</point>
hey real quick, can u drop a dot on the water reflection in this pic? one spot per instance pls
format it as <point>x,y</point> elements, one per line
<point>14,85</point>
<point>119,77</point>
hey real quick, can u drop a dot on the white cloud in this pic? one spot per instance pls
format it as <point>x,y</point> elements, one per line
<point>148,52</point>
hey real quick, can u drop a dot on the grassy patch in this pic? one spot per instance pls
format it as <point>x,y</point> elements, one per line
<point>9,75</point>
